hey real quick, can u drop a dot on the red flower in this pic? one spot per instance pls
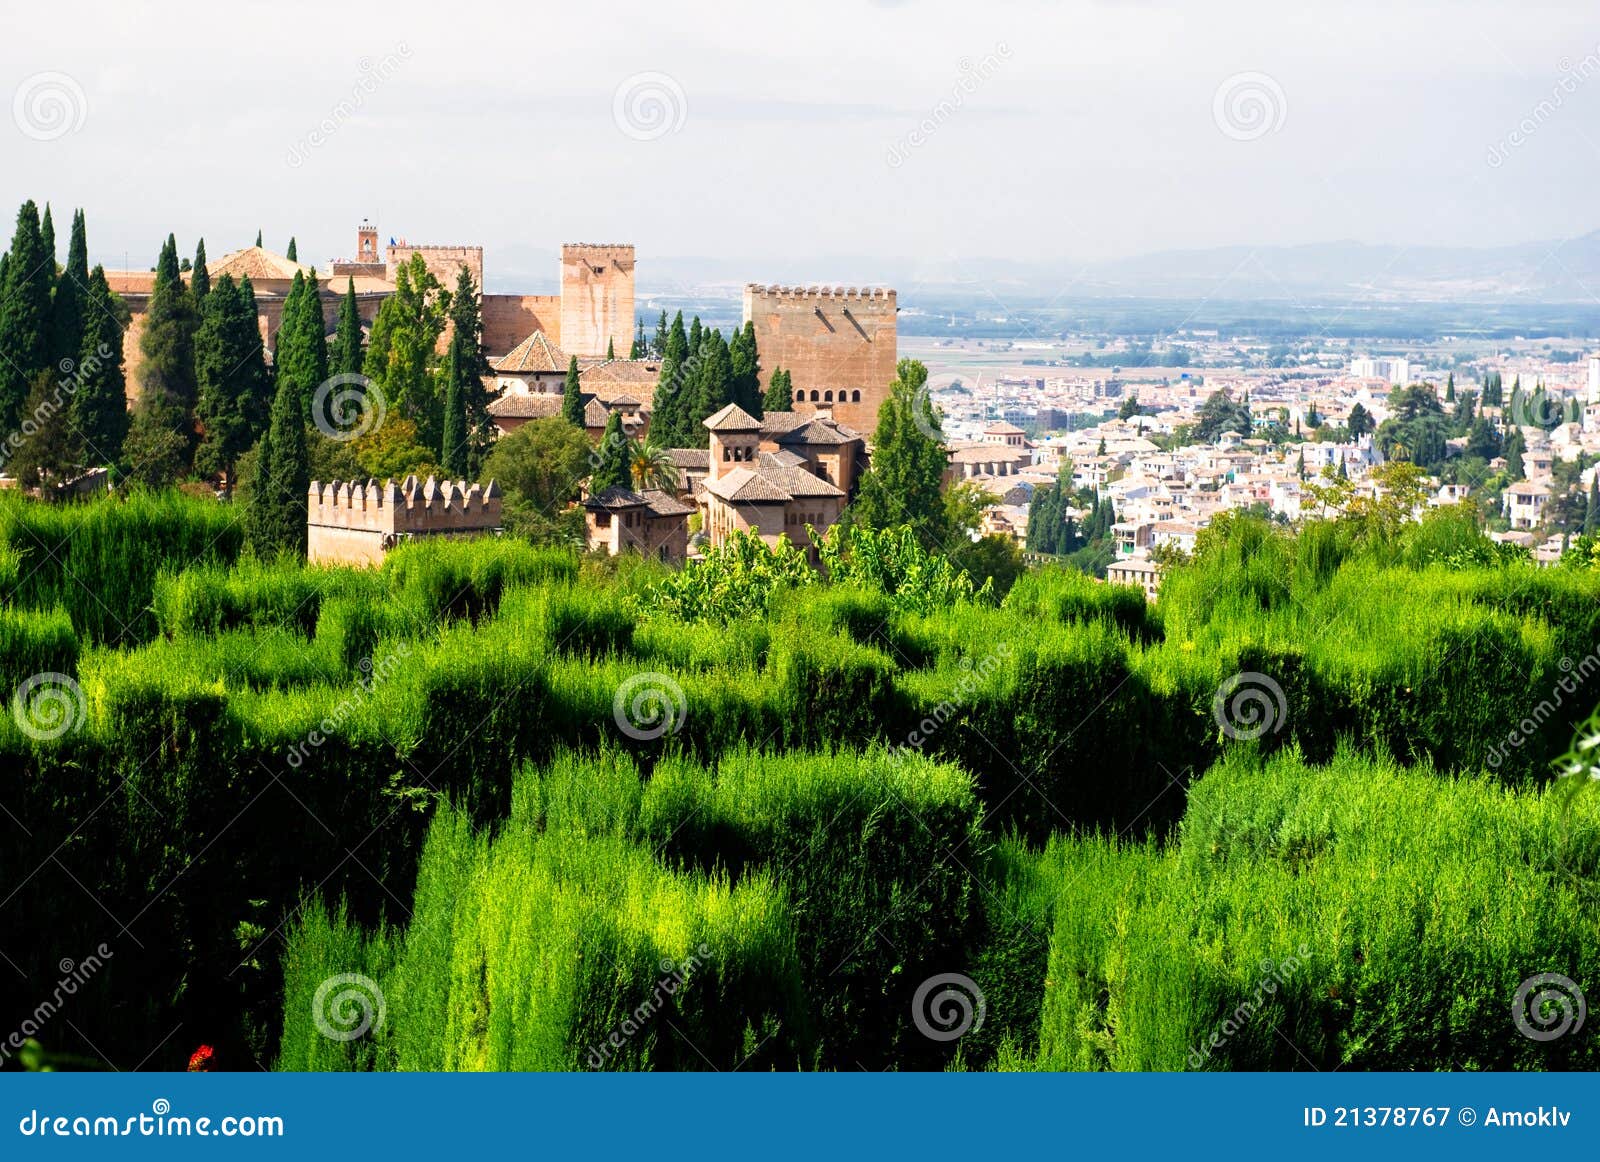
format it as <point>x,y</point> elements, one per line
<point>200,1059</point>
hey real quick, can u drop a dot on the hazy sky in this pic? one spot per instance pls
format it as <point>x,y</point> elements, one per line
<point>1084,130</point>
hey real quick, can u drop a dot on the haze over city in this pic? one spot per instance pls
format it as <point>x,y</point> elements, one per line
<point>1091,133</point>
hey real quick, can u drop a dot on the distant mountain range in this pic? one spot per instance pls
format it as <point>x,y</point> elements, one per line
<point>1532,272</point>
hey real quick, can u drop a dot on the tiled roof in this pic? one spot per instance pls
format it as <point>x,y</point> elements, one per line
<point>691,458</point>
<point>258,263</point>
<point>615,498</point>
<point>780,460</point>
<point>733,418</point>
<point>742,486</point>
<point>525,405</point>
<point>534,354</point>
<point>818,432</point>
<point>799,482</point>
<point>665,504</point>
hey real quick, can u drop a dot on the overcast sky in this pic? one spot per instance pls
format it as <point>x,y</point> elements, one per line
<point>1069,130</point>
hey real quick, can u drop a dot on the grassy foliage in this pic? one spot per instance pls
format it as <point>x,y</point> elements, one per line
<point>856,791</point>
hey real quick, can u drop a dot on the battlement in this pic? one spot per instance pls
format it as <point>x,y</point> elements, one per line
<point>355,522</point>
<point>619,249</point>
<point>879,294</point>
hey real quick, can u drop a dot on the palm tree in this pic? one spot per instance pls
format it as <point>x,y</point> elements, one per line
<point>651,466</point>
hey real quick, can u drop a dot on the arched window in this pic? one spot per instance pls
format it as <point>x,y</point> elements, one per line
<point>814,395</point>
<point>827,397</point>
<point>799,394</point>
<point>855,396</point>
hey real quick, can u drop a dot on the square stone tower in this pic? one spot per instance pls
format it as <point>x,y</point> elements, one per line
<point>596,299</point>
<point>837,343</point>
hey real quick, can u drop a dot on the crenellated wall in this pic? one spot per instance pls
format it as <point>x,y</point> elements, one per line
<point>350,522</point>
<point>839,342</point>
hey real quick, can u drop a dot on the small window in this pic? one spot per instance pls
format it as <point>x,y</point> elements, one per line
<point>855,396</point>
<point>827,397</point>
<point>799,395</point>
<point>813,395</point>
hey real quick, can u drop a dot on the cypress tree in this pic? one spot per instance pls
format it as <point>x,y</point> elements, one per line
<point>697,336</point>
<point>572,396</point>
<point>1515,446</point>
<point>611,349</point>
<point>658,345</point>
<point>258,239</point>
<point>1450,388</point>
<point>640,346</point>
<point>302,358</point>
<point>47,235</point>
<point>277,517</point>
<point>453,453</point>
<point>24,315</point>
<point>72,288</point>
<point>670,407</point>
<point>612,469</point>
<point>231,379</point>
<point>346,355</point>
<point>780,395</point>
<point>746,370</point>
<point>292,254</point>
<point>49,453</point>
<point>902,487</point>
<point>200,277</point>
<point>466,321</point>
<point>161,436</point>
<point>713,387</point>
<point>100,404</point>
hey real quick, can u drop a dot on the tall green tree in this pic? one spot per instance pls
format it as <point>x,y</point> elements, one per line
<point>200,277</point>
<point>670,408</point>
<point>713,387</point>
<point>745,365</point>
<point>30,276</point>
<point>611,349</point>
<point>401,356</point>
<point>72,288</point>
<point>780,393</point>
<point>1515,447</point>
<point>902,486</point>
<point>301,361</point>
<point>100,403</point>
<point>345,357</point>
<point>640,346</point>
<point>232,380</point>
<point>277,514</point>
<point>1360,422</point>
<point>611,467</point>
<point>453,451</point>
<point>572,395</point>
<point>47,235</point>
<point>658,345</point>
<point>258,239</point>
<point>49,452</point>
<point>161,438</point>
<point>697,335</point>
<point>293,253</point>
<point>466,323</point>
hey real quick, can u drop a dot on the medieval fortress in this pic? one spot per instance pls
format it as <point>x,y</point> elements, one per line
<point>837,343</point>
